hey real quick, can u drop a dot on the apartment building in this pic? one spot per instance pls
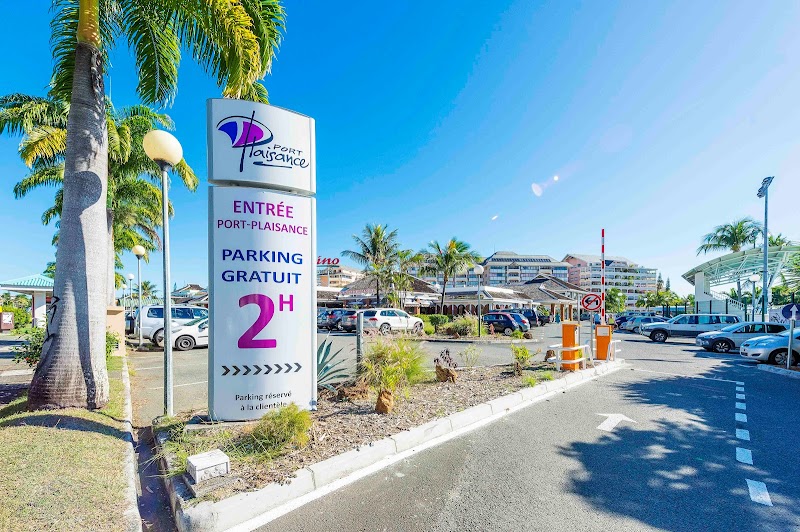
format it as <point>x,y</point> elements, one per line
<point>504,268</point>
<point>632,279</point>
<point>338,276</point>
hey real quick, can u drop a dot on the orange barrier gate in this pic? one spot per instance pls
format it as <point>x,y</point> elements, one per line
<point>569,341</point>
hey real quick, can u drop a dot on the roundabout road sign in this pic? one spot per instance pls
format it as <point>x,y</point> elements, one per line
<point>592,302</point>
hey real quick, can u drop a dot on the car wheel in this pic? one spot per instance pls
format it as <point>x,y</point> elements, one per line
<point>779,357</point>
<point>722,346</point>
<point>636,330</point>
<point>659,336</point>
<point>184,343</point>
<point>158,338</point>
<point>386,329</point>
<point>339,326</point>
<point>507,331</point>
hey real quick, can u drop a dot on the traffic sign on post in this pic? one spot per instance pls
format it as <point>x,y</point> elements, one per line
<point>791,311</point>
<point>592,302</point>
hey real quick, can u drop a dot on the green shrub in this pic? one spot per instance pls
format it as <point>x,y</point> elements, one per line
<point>30,351</point>
<point>21,317</point>
<point>428,328</point>
<point>544,311</point>
<point>517,335</point>
<point>112,341</point>
<point>437,320</point>
<point>393,364</point>
<point>546,376</point>
<point>521,354</point>
<point>529,380</point>
<point>328,369</point>
<point>470,356</point>
<point>287,425</point>
<point>463,326</point>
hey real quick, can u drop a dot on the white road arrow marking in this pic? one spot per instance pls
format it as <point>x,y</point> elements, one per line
<point>612,421</point>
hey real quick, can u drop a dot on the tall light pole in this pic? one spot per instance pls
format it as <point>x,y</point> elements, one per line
<point>754,279</point>
<point>166,152</point>
<point>124,287</point>
<point>479,272</point>
<point>139,251</point>
<point>130,288</point>
<point>763,193</point>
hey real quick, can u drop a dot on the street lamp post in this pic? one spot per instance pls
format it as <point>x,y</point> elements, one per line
<point>763,193</point>
<point>166,152</point>
<point>139,251</point>
<point>124,287</point>
<point>479,272</point>
<point>754,279</point>
<point>130,288</point>
<point>438,288</point>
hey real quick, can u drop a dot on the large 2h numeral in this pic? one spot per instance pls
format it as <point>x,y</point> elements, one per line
<point>267,310</point>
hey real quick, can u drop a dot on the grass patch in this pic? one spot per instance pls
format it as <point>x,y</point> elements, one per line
<point>62,469</point>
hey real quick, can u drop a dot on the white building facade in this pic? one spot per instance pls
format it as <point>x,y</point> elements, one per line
<point>632,279</point>
<point>504,268</point>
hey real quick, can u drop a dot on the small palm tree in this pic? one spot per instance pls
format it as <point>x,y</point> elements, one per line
<point>148,289</point>
<point>376,250</point>
<point>448,260</point>
<point>732,237</point>
<point>405,260</point>
<point>778,240</point>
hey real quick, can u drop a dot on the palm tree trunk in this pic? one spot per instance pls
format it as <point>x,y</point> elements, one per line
<point>377,291</point>
<point>444,290</point>
<point>72,370</point>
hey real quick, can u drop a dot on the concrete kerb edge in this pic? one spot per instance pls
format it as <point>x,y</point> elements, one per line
<point>132,517</point>
<point>780,371</point>
<point>336,472</point>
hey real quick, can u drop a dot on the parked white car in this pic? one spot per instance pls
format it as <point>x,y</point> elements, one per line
<point>387,320</point>
<point>772,349</point>
<point>153,319</point>
<point>732,337</point>
<point>688,325</point>
<point>191,335</point>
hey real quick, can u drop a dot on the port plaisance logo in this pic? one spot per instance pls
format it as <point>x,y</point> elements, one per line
<point>255,140</point>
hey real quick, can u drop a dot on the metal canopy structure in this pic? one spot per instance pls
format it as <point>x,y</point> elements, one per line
<point>741,264</point>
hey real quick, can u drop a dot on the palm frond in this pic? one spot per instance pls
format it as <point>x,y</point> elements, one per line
<point>43,143</point>
<point>186,175</point>
<point>46,176</point>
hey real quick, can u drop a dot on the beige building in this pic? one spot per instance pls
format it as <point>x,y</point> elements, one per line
<point>632,279</point>
<point>338,276</point>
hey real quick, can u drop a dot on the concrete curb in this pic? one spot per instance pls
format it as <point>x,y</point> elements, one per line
<point>497,341</point>
<point>133,520</point>
<point>780,371</point>
<point>246,511</point>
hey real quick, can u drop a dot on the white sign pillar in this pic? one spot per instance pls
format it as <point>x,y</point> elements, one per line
<point>262,260</point>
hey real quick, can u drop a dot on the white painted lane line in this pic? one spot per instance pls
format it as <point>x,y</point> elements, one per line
<point>740,396</point>
<point>744,456</point>
<point>740,383</point>
<point>743,434</point>
<point>179,385</point>
<point>741,406</point>
<point>740,388</point>
<point>758,492</point>
<point>151,367</point>
<point>741,417</point>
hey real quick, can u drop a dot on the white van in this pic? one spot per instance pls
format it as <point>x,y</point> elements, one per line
<point>687,325</point>
<point>153,320</point>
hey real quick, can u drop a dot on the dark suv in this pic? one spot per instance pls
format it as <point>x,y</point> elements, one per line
<point>530,314</point>
<point>333,320</point>
<point>502,322</point>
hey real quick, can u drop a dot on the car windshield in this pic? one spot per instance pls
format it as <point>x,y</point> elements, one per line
<point>786,333</point>
<point>731,328</point>
<point>196,321</point>
<point>674,319</point>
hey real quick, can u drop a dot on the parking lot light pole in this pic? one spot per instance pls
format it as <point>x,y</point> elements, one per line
<point>139,251</point>
<point>124,287</point>
<point>764,193</point>
<point>166,152</point>
<point>754,279</point>
<point>479,272</point>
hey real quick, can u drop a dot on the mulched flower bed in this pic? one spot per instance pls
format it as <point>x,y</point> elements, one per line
<point>340,426</point>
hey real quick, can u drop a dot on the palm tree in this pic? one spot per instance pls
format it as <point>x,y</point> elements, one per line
<point>778,240</point>
<point>448,260</point>
<point>791,276</point>
<point>732,237</point>
<point>234,41</point>
<point>405,260</point>
<point>376,251</point>
<point>148,289</point>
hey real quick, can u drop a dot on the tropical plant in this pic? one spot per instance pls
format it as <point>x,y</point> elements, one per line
<point>389,366</point>
<point>376,250</point>
<point>328,370</point>
<point>405,259</point>
<point>448,260</point>
<point>615,300</point>
<point>287,425</point>
<point>437,320</point>
<point>234,41</point>
<point>732,237</point>
<point>778,240</point>
<point>148,289</point>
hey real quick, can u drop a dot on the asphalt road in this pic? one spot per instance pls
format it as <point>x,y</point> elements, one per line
<point>191,369</point>
<point>682,463</point>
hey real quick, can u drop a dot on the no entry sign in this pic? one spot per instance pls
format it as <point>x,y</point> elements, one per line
<point>592,302</point>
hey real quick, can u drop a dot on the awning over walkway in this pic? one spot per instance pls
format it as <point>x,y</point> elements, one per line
<point>741,264</point>
<point>39,287</point>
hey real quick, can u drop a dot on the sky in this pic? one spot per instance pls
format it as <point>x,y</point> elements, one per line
<point>443,119</point>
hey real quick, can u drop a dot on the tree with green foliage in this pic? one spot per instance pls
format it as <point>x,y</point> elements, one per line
<point>615,301</point>
<point>401,279</point>
<point>732,237</point>
<point>148,289</point>
<point>448,260</point>
<point>376,250</point>
<point>234,41</point>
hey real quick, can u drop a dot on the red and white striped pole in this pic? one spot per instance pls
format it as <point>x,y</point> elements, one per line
<point>603,275</point>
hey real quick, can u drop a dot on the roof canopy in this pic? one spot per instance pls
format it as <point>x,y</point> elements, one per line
<point>741,264</point>
<point>29,284</point>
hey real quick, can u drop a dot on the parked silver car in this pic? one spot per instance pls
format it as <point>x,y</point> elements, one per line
<point>732,337</point>
<point>772,349</point>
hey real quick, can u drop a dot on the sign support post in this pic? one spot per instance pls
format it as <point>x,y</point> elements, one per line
<point>262,260</point>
